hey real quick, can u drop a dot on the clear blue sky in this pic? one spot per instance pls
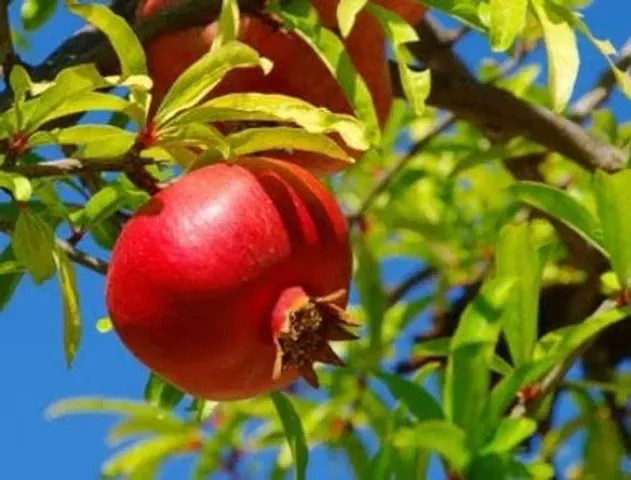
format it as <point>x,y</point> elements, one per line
<point>31,358</point>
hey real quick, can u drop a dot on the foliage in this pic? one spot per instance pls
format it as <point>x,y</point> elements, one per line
<point>491,236</point>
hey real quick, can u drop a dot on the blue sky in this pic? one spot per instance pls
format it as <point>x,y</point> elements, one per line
<point>31,359</point>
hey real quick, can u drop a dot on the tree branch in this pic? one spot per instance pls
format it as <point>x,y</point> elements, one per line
<point>491,108</point>
<point>7,53</point>
<point>71,166</point>
<point>82,258</point>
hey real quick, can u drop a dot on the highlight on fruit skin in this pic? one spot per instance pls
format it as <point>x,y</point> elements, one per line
<point>233,280</point>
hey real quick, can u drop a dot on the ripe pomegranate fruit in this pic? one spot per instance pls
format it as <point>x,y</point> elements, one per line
<point>298,71</point>
<point>231,281</point>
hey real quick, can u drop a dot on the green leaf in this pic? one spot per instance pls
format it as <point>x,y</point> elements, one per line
<point>567,209</point>
<point>10,281</point>
<point>34,13</point>
<point>418,400</point>
<point>91,405</point>
<point>571,339</point>
<point>505,392</point>
<point>438,436</point>
<point>464,10</point>
<point>19,186</point>
<point>69,85</point>
<point>416,84</point>
<point>33,245</point>
<point>508,20</point>
<point>346,14</point>
<point>292,424</point>
<point>516,252</point>
<point>139,426</point>
<point>603,450</point>
<point>510,433</point>
<point>9,267</point>
<point>300,17</point>
<point>20,82</point>
<point>280,108</point>
<point>440,347</point>
<point>147,453</point>
<point>102,205</point>
<point>371,293</point>
<point>228,23</point>
<point>70,301</point>
<point>254,140</point>
<point>161,393</point>
<point>96,141</point>
<point>497,466</point>
<point>201,77</point>
<point>127,46</point>
<point>467,377</point>
<point>613,200</point>
<point>92,102</point>
<point>562,50</point>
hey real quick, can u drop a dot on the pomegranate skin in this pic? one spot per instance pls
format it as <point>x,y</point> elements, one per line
<point>200,276</point>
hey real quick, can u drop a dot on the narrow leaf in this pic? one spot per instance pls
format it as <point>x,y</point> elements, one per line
<point>508,20</point>
<point>613,199</point>
<point>567,209</point>
<point>562,50</point>
<point>301,18</point>
<point>126,44</point>
<point>285,138</point>
<point>292,424</point>
<point>201,77</point>
<point>517,253</point>
<point>70,301</point>
<point>418,400</point>
<point>33,245</point>
<point>346,14</point>
<point>438,436</point>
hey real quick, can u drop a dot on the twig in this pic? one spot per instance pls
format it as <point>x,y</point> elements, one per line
<point>82,258</point>
<point>70,166</point>
<point>410,282</point>
<point>7,53</point>
<point>554,378</point>
<point>603,89</point>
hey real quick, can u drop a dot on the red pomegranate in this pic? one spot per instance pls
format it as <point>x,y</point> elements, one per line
<point>231,281</point>
<point>297,72</point>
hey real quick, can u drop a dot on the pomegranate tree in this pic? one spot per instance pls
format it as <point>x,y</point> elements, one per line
<point>232,281</point>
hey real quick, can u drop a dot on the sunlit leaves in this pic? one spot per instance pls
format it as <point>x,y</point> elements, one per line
<point>301,18</point>
<point>562,49</point>
<point>517,253</point>
<point>204,74</point>
<point>34,13</point>
<point>508,19</point>
<point>120,34</point>
<point>613,197</point>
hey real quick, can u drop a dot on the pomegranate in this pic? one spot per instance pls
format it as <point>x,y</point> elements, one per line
<point>231,281</point>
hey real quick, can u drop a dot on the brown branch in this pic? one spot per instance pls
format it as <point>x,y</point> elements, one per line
<point>70,166</point>
<point>7,52</point>
<point>494,109</point>
<point>410,282</point>
<point>82,258</point>
<point>554,378</point>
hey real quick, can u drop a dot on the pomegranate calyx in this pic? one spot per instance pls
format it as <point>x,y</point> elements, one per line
<point>310,324</point>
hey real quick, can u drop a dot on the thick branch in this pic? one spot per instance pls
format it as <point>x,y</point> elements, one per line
<point>456,90</point>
